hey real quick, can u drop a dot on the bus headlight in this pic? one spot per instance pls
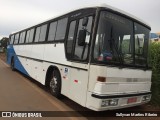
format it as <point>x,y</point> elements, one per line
<point>112,102</point>
<point>146,98</point>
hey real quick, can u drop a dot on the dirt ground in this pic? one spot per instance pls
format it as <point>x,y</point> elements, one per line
<point>3,56</point>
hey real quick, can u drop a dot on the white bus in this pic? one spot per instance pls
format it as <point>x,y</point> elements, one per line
<point>96,56</point>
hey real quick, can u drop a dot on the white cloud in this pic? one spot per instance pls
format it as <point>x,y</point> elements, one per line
<point>19,14</point>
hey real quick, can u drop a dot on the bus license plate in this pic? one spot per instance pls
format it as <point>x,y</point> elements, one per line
<point>132,100</point>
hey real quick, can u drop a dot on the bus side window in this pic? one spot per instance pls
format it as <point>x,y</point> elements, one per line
<point>61,29</point>
<point>20,39</point>
<point>38,30</point>
<point>70,38</point>
<point>52,31</point>
<point>42,35</point>
<point>23,37</point>
<point>12,39</point>
<point>16,38</point>
<point>27,37</point>
<point>30,40</point>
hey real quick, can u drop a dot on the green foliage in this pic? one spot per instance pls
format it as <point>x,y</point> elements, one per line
<point>4,41</point>
<point>155,63</point>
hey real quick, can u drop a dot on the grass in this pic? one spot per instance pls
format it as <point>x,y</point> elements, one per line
<point>155,63</point>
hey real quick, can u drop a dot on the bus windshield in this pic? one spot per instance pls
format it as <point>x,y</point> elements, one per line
<point>120,41</point>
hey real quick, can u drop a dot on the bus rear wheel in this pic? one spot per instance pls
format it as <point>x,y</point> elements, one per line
<point>12,64</point>
<point>55,83</point>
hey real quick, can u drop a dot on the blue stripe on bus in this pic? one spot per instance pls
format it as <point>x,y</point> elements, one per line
<point>17,64</point>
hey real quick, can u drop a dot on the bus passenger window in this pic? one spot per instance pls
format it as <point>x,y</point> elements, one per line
<point>27,37</point>
<point>37,34</point>
<point>70,38</point>
<point>16,39</point>
<point>31,35</point>
<point>43,33</point>
<point>52,31</point>
<point>61,29</point>
<point>12,39</point>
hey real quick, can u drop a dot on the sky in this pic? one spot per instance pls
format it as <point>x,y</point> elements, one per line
<point>19,14</point>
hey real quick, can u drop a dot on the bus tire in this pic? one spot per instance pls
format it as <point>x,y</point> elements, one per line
<point>12,64</point>
<point>55,83</point>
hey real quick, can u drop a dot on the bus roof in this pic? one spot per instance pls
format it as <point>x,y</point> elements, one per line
<point>92,6</point>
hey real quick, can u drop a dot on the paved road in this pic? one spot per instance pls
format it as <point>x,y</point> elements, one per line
<point>19,93</point>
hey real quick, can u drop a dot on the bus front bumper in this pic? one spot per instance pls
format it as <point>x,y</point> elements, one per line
<point>109,102</point>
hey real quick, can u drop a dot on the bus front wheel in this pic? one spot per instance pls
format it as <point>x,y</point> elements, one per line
<point>55,83</point>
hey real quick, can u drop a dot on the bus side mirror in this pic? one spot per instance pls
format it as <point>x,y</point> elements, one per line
<point>81,37</point>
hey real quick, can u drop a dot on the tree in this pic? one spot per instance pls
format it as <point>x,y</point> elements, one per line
<point>4,42</point>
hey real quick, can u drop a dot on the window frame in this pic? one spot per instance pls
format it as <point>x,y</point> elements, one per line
<point>74,36</point>
<point>18,33</point>
<point>36,34</point>
<point>29,30</point>
<point>94,40</point>
<point>50,41</point>
<point>12,40</point>
<point>41,32</point>
<point>90,14</point>
<point>65,32</point>
<point>30,35</point>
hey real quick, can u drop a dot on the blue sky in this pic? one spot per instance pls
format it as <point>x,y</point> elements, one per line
<point>19,14</point>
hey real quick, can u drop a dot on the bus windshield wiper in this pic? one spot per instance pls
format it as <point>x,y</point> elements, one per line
<point>117,51</point>
<point>113,44</point>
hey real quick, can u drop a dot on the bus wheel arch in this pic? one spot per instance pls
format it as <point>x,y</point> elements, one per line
<point>53,81</point>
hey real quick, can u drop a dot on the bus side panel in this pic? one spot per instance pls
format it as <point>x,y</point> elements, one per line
<point>74,81</point>
<point>78,85</point>
<point>19,62</point>
<point>55,53</point>
<point>10,53</point>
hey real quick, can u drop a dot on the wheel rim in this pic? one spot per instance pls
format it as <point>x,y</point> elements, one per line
<point>53,84</point>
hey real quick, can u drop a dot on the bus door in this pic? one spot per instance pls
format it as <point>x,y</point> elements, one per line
<point>78,55</point>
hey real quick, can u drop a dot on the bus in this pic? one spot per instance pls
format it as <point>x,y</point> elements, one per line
<point>97,56</point>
